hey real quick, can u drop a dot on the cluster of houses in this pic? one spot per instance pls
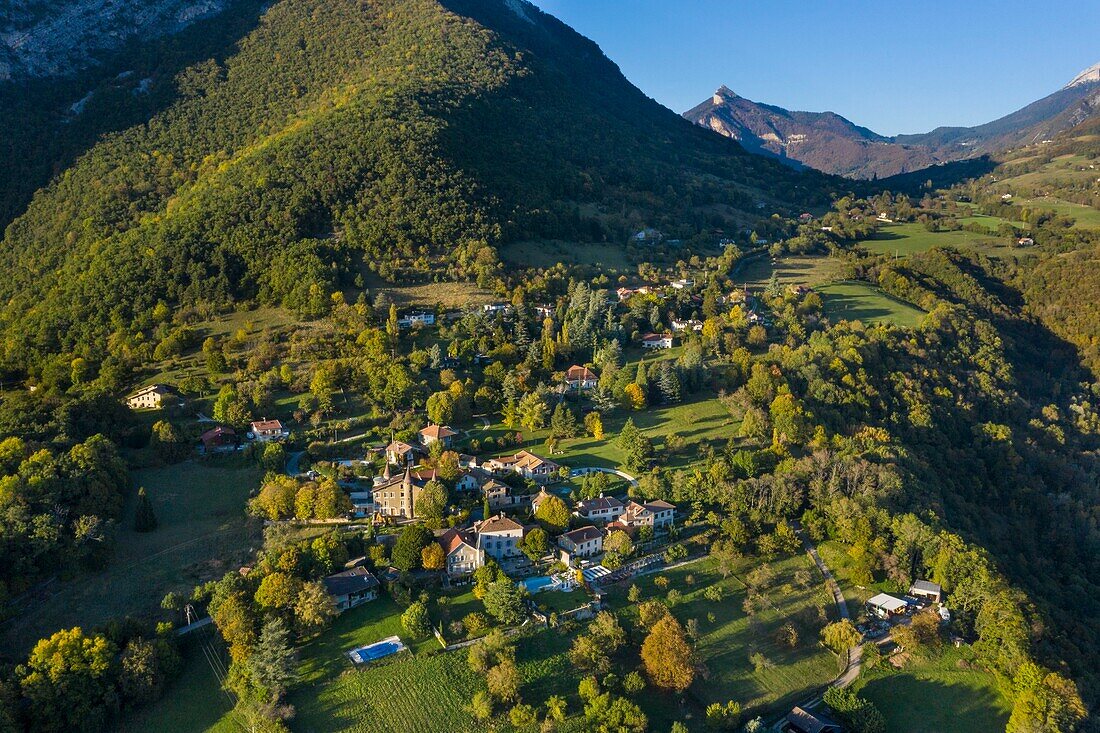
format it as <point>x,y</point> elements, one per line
<point>500,537</point>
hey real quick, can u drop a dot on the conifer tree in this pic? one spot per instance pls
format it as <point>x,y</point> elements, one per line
<point>145,520</point>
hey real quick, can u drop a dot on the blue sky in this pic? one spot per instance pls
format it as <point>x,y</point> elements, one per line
<point>893,67</point>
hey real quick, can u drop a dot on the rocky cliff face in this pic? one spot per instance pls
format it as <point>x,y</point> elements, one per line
<point>822,140</point>
<point>46,38</point>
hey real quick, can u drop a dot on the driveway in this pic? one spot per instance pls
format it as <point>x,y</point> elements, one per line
<point>597,469</point>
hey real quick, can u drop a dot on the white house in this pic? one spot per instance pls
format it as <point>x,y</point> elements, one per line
<point>526,464</point>
<point>657,341</point>
<point>602,509</point>
<point>683,283</point>
<point>266,431</point>
<point>416,319</point>
<point>687,325</point>
<point>884,605</point>
<point>927,590</point>
<point>149,397</point>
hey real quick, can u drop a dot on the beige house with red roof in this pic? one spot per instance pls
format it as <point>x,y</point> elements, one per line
<point>580,378</point>
<point>654,514</point>
<point>526,464</point>
<point>400,453</point>
<point>396,497</point>
<point>437,434</point>
<point>460,548</point>
<point>580,543</point>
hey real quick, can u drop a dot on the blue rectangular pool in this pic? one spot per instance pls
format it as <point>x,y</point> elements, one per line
<point>534,585</point>
<point>377,650</point>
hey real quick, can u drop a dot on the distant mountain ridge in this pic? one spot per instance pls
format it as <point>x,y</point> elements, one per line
<point>822,140</point>
<point>830,143</point>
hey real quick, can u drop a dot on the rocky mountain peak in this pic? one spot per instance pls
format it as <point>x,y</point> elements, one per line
<point>723,95</point>
<point>1088,76</point>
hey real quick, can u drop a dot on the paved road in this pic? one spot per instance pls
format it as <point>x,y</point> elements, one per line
<point>292,462</point>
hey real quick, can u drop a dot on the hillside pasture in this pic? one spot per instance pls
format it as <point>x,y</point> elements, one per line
<point>945,694</point>
<point>730,638</point>
<point>549,253</point>
<point>857,301</point>
<point>203,532</point>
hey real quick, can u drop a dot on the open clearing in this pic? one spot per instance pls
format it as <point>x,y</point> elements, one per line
<point>202,533</point>
<point>856,301</point>
<point>798,269</point>
<point>939,696</point>
<point>778,678</point>
<point>913,238</point>
<point>548,254</point>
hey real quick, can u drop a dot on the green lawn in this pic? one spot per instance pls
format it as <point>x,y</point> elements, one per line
<point>855,301</point>
<point>203,533</point>
<point>912,238</point>
<point>1086,217</point>
<point>940,696</point>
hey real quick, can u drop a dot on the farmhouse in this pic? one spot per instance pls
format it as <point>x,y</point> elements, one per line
<point>351,588</point>
<point>926,590</point>
<point>526,464</point>
<point>624,294</point>
<point>579,543</point>
<point>437,434</point>
<point>601,509</point>
<point>657,341</point>
<point>499,537</point>
<point>683,283</point>
<point>545,310</point>
<point>654,514</point>
<point>462,553</point>
<point>886,606</point>
<point>219,438</point>
<point>266,431</point>
<point>580,378</point>
<point>151,397</point>
<point>1025,242</point>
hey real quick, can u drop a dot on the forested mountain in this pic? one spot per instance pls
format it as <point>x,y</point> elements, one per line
<point>828,142</point>
<point>412,135</point>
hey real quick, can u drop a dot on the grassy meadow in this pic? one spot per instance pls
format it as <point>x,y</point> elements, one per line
<point>202,533</point>
<point>857,301</point>
<point>947,694</point>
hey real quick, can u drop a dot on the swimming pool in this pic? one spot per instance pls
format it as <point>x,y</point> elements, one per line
<point>534,585</point>
<point>377,650</point>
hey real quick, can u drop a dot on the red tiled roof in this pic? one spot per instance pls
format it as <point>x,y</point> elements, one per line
<point>438,432</point>
<point>579,374</point>
<point>267,425</point>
